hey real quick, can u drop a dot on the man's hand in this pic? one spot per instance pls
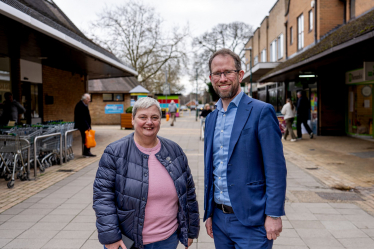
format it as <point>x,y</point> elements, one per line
<point>209,227</point>
<point>116,245</point>
<point>190,241</point>
<point>273,228</point>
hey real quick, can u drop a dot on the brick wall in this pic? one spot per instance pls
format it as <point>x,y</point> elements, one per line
<point>330,13</point>
<point>97,110</point>
<point>256,45</point>
<point>264,41</point>
<point>276,26</point>
<point>362,6</point>
<point>66,89</point>
<point>298,7</point>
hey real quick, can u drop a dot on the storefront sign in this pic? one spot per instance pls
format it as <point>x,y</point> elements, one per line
<point>369,71</point>
<point>354,76</point>
<point>114,109</point>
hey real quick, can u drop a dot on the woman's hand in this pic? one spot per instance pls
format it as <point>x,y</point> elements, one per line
<point>190,241</point>
<point>116,245</point>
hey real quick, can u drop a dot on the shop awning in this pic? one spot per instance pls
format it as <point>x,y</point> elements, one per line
<point>259,70</point>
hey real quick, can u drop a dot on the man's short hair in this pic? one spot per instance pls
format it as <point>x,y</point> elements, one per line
<point>84,96</point>
<point>226,52</point>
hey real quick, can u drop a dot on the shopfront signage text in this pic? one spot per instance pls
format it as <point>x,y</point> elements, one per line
<point>354,76</point>
<point>114,109</point>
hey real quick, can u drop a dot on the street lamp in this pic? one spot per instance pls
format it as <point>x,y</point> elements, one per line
<point>197,84</point>
<point>250,66</point>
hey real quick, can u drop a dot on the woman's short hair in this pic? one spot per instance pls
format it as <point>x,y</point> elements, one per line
<point>206,105</point>
<point>145,103</point>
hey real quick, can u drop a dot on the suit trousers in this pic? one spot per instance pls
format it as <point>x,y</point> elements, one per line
<point>230,233</point>
<point>304,121</point>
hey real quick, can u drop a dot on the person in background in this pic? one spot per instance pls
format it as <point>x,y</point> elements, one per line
<point>82,121</point>
<point>172,110</point>
<point>11,109</point>
<point>205,111</point>
<point>289,111</point>
<point>303,109</point>
<point>144,188</point>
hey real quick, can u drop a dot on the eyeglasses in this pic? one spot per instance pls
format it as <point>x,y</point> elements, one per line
<point>228,73</point>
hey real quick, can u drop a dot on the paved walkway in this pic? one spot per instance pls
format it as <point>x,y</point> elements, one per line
<point>61,216</point>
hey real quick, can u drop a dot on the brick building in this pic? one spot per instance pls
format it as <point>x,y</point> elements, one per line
<point>46,61</point>
<point>328,54</point>
<point>109,94</point>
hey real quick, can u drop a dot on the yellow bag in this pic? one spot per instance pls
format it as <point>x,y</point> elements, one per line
<point>90,139</point>
<point>167,117</point>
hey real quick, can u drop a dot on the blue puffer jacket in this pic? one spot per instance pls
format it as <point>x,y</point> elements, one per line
<point>121,190</point>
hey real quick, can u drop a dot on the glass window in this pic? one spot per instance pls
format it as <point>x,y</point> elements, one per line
<point>360,109</point>
<point>263,55</point>
<point>273,49</point>
<point>273,98</point>
<point>291,36</point>
<point>118,97</point>
<point>352,8</point>
<point>310,20</point>
<point>300,32</point>
<point>255,61</point>
<point>107,97</point>
<point>280,46</point>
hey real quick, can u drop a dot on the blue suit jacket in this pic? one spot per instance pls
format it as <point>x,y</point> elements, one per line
<point>256,168</point>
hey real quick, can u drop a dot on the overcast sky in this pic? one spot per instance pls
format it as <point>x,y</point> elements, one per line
<point>202,15</point>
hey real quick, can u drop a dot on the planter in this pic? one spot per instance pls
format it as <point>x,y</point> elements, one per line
<point>126,119</point>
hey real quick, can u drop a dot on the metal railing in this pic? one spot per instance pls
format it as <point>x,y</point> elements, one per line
<point>36,161</point>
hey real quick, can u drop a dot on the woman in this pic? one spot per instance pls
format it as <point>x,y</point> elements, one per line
<point>144,188</point>
<point>288,111</point>
<point>206,111</point>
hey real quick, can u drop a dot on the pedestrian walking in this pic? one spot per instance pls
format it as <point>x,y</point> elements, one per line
<point>172,110</point>
<point>245,170</point>
<point>303,109</point>
<point>289,111</point>
<point>82,121</point>
<point>11,109</point>
<point>144,188</point>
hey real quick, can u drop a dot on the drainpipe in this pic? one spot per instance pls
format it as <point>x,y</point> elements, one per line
<point>286,40</point>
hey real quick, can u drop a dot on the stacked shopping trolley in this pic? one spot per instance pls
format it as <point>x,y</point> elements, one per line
<point>37,146</point>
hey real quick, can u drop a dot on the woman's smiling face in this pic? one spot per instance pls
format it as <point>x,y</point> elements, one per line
<point>147,122</point>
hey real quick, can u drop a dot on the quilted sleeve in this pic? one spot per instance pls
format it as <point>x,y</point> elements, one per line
<point>192,205</point>
<point>104,199</point>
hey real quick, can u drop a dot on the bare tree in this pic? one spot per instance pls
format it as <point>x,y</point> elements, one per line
<point>233,36</point>
<point>134,33</point>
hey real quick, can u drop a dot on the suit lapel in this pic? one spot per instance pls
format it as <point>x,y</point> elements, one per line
<point>242,115</point>
<point>209,135</point>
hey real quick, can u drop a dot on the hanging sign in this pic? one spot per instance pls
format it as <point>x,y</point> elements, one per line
<point>114,109</point>
<point>368,70</point>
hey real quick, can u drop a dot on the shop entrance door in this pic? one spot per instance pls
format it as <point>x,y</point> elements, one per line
<point>360,110</point>
<point>32,100</point>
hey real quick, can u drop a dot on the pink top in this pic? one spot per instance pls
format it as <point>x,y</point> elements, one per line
<point>161,211</point>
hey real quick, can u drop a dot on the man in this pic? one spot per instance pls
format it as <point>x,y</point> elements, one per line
<point>82,121</point>
<point>172,110</point>
<point>303,109</point>
<point>11,109</point>
<point>245,170</point>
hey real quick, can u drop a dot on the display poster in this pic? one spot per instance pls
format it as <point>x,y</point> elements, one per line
<point>282,124</point>
<point>114,109</point>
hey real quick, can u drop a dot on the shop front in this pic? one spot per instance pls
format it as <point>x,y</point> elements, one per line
<point>360,115</point>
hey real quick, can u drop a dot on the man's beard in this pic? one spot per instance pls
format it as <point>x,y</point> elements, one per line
<point>227,95</point>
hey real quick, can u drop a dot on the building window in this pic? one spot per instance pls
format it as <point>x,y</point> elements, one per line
<point>310,20</point>
<point>255,61</point>
<point>113,97</point>
<point>352,9</point>
<point>291,35</point>
<point>280,46</point>
<point>263,55</point>
<point>300,32</point>
<point>273,49</point>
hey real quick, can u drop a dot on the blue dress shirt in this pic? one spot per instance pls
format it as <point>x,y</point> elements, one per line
<point>221,141</point>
